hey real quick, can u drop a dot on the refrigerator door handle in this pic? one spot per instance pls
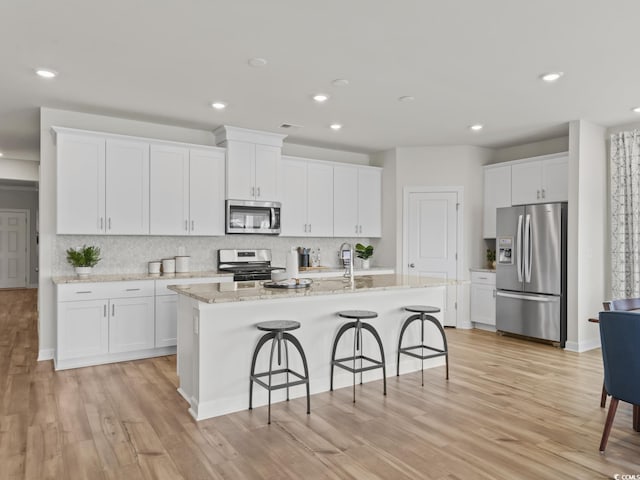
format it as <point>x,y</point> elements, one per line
<point>519,249</point>
<point>528,297</point>
<point>528,251</point>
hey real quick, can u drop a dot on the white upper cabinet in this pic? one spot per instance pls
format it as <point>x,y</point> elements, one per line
<point>169,212</point>
<point>540,181</point>
<point>187,191</point>
<point>80,184</point>
<point>497,194</point>
<point>253,163</point>
<point>307,198</point>
<point>206,191</point>
<point>103,185</point>
<point>357,197</point>
<point>127,188</point>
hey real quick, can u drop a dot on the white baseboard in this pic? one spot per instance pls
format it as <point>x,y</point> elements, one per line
<point>33,285</point>
<point>46,354</point>
<point>484,326</point>
<point>582,346</point>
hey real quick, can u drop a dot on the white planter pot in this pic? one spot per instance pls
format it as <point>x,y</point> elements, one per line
<point>84,272</point>
<point>366,264</point>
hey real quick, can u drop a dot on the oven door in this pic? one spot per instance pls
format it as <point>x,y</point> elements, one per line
<point>253,217</point>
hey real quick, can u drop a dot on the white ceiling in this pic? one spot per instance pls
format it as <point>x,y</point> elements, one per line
<point>464,61</point>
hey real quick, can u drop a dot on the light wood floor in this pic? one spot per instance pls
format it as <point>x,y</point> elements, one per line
<point>511,410</point>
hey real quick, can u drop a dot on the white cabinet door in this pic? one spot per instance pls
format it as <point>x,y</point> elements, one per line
<point>526,180</point>
<point>555,180</point>
<point>127,187</point>
<point>241,173</point>
<point>319,182</point>
<point>83,329</point>
<point>267,172</point>
<point>293,216</point>
<point>483,304</point>
<point>166,320</point>
<point>131,324</point>
<point>169,190</point>
<point>206,192</point>
<point>80,184</point>
<point>345,201</point>
<point>369,202</point>
<point>497,194</point>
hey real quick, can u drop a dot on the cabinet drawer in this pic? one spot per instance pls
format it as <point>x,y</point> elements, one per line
<point>161,285</point>
<point>71,292</point>
<point>486,278</point>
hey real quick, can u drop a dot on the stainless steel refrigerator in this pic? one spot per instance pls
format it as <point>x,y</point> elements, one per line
<point>531,271</point>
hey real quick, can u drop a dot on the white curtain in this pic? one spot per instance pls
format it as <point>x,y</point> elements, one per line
<point>625,214</point>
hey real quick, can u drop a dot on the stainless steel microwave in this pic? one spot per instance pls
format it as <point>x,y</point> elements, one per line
<point>253,217</point>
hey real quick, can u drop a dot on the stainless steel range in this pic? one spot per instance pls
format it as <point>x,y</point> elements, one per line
<point>246,264</point>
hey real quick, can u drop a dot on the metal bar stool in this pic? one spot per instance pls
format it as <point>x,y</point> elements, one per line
<point>358,325</point>
<point>421,312</point>
<point>278,334</point>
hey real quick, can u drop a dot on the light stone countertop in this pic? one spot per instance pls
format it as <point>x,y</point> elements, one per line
<point>248,291</point>
<point>135,276</point>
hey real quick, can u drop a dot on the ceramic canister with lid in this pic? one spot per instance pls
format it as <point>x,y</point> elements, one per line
<point>182,264</point>
<point>154,267</point>
<point>168,265</point>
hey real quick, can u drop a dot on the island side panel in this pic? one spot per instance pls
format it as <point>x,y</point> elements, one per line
<point>225,337</point>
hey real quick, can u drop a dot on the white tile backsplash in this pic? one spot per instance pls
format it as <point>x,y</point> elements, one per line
<point>130,254</point>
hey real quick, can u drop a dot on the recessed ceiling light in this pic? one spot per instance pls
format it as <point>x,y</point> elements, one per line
<point>340,82</point>
<point>551,76</point>
<point>1,154</point>
<point>636,109</point>
<point>476,127</point>
<point>321,97</point>
<point>335,126</point>
<point>219,105</point>
<point>406,98</point>
<point>46,73</point>
<point>257,62</point>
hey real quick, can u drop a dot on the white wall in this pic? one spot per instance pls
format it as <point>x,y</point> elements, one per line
<point>385,247</point>
<point>533,149</point>
<point>130,254</point>
<point>24,170</point>
<point>588,231</point>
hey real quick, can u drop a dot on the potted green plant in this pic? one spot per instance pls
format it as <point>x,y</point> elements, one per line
<point>83,259</point>
<point>491,258</point>
<point>364,252</point>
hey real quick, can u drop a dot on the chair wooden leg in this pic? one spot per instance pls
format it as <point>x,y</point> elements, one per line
<point>636,418</point>
<point>613,405</point>
<point>603,398</point>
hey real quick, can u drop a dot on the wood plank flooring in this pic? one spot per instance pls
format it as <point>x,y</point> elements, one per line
<point>511,410</point>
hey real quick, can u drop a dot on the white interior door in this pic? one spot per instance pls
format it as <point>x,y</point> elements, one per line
<point>432,242</point>
<point>13,249</point>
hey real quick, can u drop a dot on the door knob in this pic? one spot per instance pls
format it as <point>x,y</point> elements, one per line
<point>412,265</point>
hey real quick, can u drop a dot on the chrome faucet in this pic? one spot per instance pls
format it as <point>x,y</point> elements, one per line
<point>346,256</point>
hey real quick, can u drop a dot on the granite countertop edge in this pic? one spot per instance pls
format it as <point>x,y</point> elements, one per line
<point>58,280</point>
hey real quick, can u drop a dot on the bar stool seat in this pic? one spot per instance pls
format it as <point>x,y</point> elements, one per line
<point>358,354</point>
<point>278,334</point>
<point>423,314</point>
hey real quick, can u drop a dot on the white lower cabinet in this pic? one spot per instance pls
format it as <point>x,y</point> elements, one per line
<point>166,320</point>
<point>83,329</point>
<point>131,324</point>
<point>483,298</point>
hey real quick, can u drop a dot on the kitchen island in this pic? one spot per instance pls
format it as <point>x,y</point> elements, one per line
<point>217,334</point>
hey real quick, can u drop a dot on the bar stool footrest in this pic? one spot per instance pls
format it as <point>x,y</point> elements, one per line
<point>407,351</point>
<point>375,363</point>
<point>256,378</point>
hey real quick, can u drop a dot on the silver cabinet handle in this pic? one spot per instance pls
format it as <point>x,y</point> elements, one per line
<point>309,228</point>
<point>356,228</point>
<point>113,309</point>
<point>482,278</point>
<point>412,265</point>
<point>132,290</point>
<point>528,297</point>
<point>85,291</point>
<point>543,193</point>
<point>186,225</point>
<point>104,310</point>
<point>193,225</point>
<point>109,223</point>
<point>253,191</point>
<point>360,228</point>
<point>305,228</point>
<point>538,194</point>
<point>258,191</point>
<point>101,223</point>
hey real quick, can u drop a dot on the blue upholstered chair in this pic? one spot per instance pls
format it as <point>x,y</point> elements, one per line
<point>620,337</point>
